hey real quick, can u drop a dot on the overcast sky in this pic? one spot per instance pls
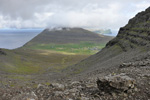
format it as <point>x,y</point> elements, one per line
<point>111,14</point>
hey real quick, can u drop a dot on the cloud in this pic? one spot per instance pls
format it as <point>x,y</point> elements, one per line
<point>70,13</point>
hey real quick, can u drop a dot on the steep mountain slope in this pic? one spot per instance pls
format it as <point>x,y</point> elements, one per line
<point>132,41</point>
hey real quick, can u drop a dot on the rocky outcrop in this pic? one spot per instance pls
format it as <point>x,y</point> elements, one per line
<point>116,84</point>
<point>111,87</point>
<point>139,63</point>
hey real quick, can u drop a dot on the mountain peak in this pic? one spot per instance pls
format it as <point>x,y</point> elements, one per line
<point>59,29</point>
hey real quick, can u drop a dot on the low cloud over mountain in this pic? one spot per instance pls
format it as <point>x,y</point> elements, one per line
<point>74,13</point>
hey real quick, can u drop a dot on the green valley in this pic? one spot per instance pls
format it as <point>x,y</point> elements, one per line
<point>52,51</point>
<point>80,48</point>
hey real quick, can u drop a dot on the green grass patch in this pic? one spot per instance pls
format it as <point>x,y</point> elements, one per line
<point>80,48</point>
<point>20,66</point>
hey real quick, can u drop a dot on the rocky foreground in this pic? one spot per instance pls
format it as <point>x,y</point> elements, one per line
<point>131,81</point>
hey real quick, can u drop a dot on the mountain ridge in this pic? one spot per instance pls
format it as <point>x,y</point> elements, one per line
<point>132,41</point>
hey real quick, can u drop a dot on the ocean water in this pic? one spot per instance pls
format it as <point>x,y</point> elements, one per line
<point>15,38</point>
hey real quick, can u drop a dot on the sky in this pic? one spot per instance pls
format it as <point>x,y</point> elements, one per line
<point>101,14</point>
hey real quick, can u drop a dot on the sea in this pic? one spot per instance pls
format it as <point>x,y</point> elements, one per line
<point>15,38</point>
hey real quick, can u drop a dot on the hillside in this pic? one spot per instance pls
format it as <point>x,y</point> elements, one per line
<point>132,40</point>
<point>68,40</point>
<point>66,35</point>
<point>124,59</point>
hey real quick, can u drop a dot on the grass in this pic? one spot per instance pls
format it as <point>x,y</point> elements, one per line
<point>46,58</point>
<point>23,68</point>
<point>80,48</point>
<point>28,61</point>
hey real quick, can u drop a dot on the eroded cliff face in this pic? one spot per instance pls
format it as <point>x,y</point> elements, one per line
<point>135,34</point>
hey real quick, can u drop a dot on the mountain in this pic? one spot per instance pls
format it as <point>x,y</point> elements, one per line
<point>132,42</point>
<point>68,40</point>
<point>67,35</point>
<point>125,59</point>
<point>51,51</point>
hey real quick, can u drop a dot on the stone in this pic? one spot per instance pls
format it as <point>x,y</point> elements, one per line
<point>58,86</point>
<point>84,98</point>
<point>40,86</point>
<point>75,83</point>
<point>58,93</point>
<point>116,83</point>
<point>25,96</point>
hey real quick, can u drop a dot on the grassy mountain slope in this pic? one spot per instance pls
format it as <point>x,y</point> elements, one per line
<point>72,40</point>
<point>36,61</point>
<point>67,35</point>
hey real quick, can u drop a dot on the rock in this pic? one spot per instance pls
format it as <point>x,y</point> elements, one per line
<point>26,96</point>
<point>125,65</point>
<point>114,95</point>
<point>84,98</point>
<point>40,86</point>
<point>73,90</point>
<point>58,93</point>
<point>75,83</point>
<point>58,86</point>
<point>70,99</point>
<point>116,84</point>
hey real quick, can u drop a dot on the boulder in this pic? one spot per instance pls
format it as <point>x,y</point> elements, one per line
<point>58,86</point>
<point>120,83</point>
